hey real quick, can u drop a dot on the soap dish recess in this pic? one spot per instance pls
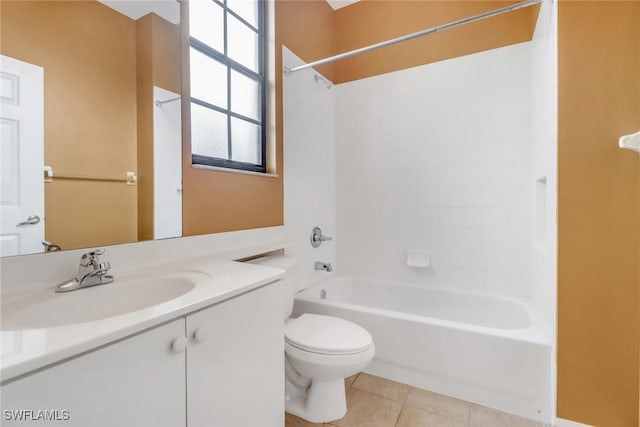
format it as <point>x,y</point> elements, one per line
<point>418,259</point>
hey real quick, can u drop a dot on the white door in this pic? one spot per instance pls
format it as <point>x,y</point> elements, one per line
<point>21,157</point>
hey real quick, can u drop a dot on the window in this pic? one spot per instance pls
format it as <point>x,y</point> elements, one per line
<point>228,83</point>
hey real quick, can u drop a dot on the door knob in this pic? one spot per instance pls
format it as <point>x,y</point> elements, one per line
<point>32,220</point>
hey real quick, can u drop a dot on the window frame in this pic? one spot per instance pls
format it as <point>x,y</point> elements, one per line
<point>260,76</point>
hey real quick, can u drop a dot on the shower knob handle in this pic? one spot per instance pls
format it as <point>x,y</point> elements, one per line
<point>317,238</point>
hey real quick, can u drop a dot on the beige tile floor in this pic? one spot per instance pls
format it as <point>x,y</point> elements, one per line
<point>377,402</point>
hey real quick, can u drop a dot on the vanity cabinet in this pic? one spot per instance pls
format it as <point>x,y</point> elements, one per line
<point>220,366</point>
<point>138,381</point>
<point>235,362</point>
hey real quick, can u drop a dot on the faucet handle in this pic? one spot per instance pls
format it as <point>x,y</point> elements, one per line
<point>91,257</point>
<point>103,268</point>
<point>317,237</point>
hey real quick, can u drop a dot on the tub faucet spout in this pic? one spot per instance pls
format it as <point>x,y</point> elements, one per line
<point>326,266</point>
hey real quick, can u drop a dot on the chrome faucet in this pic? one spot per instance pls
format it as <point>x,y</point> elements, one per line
<point>326,266</point>
<point>91,272</point>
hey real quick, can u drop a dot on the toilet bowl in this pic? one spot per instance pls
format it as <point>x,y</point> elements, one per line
<point>320,352</point>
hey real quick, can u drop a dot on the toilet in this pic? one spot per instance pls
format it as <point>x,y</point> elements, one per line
<point>320,352</point>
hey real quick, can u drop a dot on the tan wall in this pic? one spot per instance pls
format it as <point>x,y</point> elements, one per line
<point>88,54</point>
<point>158,64</point>
<point>308,28</point>
<point>98,208</point>
<point>598,213</point>
<point>166,54</point>
<point>217,201</point>
<point>144,82</point>
<point>372,21</point>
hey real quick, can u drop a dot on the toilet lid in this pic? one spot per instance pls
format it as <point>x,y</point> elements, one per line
<point>326,335</point>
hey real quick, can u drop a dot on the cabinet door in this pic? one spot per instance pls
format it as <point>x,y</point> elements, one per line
<point>235,361</point>
<point>138,381</point>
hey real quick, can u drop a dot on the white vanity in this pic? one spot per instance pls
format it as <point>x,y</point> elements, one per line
<point>199,343</point>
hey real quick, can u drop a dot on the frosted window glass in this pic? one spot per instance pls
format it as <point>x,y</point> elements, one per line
<point>208,79</point>
<point>245,138</point>
<point>206,23</point>
<point>247,9</point>
<point>245,95</point>
<point>209,134</point>
<point>242,43</point>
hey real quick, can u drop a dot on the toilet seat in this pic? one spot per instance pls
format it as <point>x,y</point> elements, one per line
<point>327,335</point>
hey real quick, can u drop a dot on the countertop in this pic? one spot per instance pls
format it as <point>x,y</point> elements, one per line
<point>26,350</point>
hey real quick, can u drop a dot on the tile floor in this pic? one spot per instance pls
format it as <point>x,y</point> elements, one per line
<point>377,402</point>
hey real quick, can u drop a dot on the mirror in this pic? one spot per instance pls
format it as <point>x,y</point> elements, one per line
<point>91,123</point>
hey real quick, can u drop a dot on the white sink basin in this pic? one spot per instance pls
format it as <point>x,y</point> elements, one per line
<point>50,309</point>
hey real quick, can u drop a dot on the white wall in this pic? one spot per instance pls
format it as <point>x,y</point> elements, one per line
<point>544,173</point>
<point>309,169</point>
<point>544,161</point>
<point>438,158</point>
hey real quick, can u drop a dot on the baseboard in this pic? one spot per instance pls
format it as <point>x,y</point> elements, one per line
<point>566,423</point>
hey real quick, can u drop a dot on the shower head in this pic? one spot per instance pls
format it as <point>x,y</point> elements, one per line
<point>319,79</point>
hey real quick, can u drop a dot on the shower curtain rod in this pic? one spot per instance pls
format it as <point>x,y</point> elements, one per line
<point>412,36</point>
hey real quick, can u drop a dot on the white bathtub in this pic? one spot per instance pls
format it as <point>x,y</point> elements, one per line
<point>483,349</point>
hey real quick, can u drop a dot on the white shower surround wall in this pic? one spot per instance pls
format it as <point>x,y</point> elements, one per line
<point>544,160</point>
<point>437,158</point>
<point>544,144</point>
<point>309,169</point>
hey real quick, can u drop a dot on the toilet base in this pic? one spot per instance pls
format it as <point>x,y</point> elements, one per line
<point>322,402</point>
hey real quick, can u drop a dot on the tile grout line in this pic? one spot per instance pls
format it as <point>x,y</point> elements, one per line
<point>382,397</point>
<point>448,416</point>
<point>409,388</point>
<point>374,393</point>
<point>404,404</point>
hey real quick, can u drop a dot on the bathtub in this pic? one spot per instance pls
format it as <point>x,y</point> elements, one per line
<point>484,349</point>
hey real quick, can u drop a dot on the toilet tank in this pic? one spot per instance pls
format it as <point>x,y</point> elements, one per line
<point>284,262</point>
